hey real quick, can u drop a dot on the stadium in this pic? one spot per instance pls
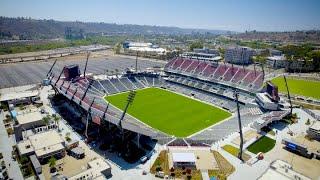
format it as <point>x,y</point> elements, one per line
<point>190,103</point>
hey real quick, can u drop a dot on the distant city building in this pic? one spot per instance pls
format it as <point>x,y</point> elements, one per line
<point>206,51</point>
<point>277,62</point>
<point>203,54</point>
<point>143,47</point>
<point>238,55</point>
<point>274,52</point>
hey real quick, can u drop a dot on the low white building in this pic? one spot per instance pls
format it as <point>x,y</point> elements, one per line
<point>183,159</point>
<point>281,170</point>
<point>96,169</point>
<point>314,130</point>
<point>277,62</point>
<point>43,145</point>
<point>143,48</point>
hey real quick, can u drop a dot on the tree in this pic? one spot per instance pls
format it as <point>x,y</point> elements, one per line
<point>68,136</point>
<point>52,162</point>
<point>46,119</point>
<point>222,52</point>
<point>56,120</point>
<point>117,48</point>
<point>308,122</point>
<point>315,57</point>
<point>197,44</point>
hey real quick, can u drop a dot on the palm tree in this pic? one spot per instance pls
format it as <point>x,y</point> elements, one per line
<point>52,162</point>
<point>56,120</point>
<point>46,119</point>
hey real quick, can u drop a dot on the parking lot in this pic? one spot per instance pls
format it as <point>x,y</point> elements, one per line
<point>19,74</point>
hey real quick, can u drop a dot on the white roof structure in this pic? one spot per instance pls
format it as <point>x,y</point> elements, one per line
<point>42,143</point>
<point>18,95</point>
<point>277,58</point>
<point>29,117</point>
<point>148,49</point>
<point>316,126</point>
<point>281,170</point>
<point>183,157</point>
<point>94,171</point>
<point>264,97</point>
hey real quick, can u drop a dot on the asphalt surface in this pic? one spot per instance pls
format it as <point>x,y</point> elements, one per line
<point>19,74</point>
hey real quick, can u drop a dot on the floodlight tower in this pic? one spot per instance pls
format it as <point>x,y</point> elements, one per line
<point>130,99</point>
<point>88,115</point>
<point>85,67</point>
<point>240,126</point>
<point>137,61</point>
<point>288,93</point>
<point>50,70</point>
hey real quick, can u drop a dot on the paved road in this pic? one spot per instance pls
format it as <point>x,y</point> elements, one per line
<point>6,149</point>
<point>34,72</point>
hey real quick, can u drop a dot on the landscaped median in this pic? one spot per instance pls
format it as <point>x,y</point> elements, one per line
<point>235,151</point>
<point>264,144</point>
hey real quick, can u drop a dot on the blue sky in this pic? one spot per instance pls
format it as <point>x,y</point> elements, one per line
<point>236,15</point>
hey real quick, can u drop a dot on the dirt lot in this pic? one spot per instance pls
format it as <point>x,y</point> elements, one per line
<point>308,167</point>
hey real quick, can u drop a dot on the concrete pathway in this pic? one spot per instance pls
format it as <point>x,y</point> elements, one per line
<point>6,144</point>
<point>205,175</point>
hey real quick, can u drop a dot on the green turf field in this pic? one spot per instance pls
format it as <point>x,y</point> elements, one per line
<point>169,112</point>
<point>264,145</point>
<point>305,88</point>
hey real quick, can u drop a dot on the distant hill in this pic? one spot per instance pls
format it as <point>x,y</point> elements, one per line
<point>27,28</point>
<point>308,36</point>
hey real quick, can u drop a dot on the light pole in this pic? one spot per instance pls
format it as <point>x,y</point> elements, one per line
<point>130,99</point>
<point>240,126</point>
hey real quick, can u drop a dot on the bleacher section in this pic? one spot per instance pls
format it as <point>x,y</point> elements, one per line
<point>216,90</point>
<point>226,74</point>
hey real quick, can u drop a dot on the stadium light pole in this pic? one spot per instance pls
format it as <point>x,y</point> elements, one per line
<point>137,61</point>
<point>89,114</point>
<point>289,97</point>
<point>130,100</point>
<point>50,70</point>
<point>85,67</point>
<point>240,126</point>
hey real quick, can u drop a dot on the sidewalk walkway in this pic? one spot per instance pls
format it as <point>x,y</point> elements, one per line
<point>6,144</point>
<point>205,175</point>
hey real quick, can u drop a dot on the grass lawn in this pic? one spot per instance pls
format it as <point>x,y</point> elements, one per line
<point>305,88</point>
<point>169,112</point>
<point>264,145</point>
<point>235,151</point>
